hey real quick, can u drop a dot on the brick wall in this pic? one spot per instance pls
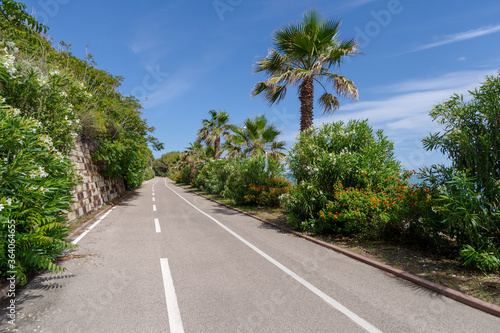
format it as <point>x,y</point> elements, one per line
<point>95,190</point>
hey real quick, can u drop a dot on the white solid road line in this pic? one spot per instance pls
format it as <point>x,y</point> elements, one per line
<point>154,208</point>
<point>157,226</point>
<point>351,315</point>
<point>174,314</point>
<point>91,227</point>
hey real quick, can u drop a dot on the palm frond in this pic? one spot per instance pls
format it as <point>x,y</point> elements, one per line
<point>329,102</point>
<point>273,64</point>
<point>343,86</point>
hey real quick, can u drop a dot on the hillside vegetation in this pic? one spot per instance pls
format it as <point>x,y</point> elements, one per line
<point>48,98</point>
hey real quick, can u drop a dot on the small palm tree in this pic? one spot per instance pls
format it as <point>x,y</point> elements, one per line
<point>304,54</point>
<point>256,137</point>
<point>195,154</point>
<point>215,128</point>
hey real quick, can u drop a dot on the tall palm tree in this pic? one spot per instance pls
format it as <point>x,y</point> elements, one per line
<point>256,137</point>
<point>303,53</point>
<point>215,128</point>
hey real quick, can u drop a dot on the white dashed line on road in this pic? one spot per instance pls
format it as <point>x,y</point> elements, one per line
<point>174,314</point>
<point>157,226</point>
<point>154,208</point>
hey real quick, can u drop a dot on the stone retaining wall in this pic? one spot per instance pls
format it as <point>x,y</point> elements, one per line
<point>95,190</point>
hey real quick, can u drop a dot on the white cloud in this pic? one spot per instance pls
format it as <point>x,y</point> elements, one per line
<point>461,36</point>
<point>350,5</point>
<point>454,80</point>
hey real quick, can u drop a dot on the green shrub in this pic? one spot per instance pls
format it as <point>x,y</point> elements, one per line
<point>469,200</point>
<point>244,172</point>
<point>336,152</point>
<point>149,174</point>
<point>468,216</point>
<point>186,175</point>
<point>36,183</point>
<point>212,176</point>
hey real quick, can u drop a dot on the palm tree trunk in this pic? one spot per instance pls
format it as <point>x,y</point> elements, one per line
<point>216,147</point>
<point>306,104</point>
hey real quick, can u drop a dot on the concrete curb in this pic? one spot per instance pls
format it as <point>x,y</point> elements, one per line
<point>448,292</point>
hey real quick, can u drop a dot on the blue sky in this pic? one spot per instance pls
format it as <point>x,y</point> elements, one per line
<point>188,57</point>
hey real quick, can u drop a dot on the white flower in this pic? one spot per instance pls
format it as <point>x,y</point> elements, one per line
<point>1,207</point>
<point>10,44</point>
<point>59,156</point>
<point>478,197</point>
<point>3,99</point>
<point>16,111</point>
<point>47,140</point>
<point>40,173</point>
<point>11,70</point>
<point>42,81</point>
<point>9,201</point>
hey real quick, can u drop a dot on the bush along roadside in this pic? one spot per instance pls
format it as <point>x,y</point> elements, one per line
<point>36,184</point>
<point>256,180</point>
<point>349,183</point>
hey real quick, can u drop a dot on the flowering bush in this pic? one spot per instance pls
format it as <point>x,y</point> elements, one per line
<point>251,171</point>
<point>336,152</point>
<point>397,208</point>
<point>267,195</point>
<point>39,93</point>
<point>35,194</point>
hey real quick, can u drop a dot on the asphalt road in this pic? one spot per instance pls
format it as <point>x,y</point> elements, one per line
<point>166,260</point>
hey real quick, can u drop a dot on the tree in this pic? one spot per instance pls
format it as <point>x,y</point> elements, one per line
<point>15,17</point>
<point>166,162</point>
<point>471,138</point>
<point>469,189</point>
<point>215,128</point>
<point>256,137</point>
<point>303,53</point>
